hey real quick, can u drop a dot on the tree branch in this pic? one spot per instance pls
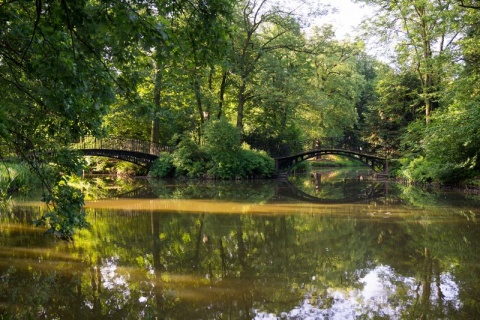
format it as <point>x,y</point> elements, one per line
<point>469,6</point>
<point>38,6</point>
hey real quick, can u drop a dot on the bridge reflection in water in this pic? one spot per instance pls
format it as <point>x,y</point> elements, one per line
<point>341,191</point>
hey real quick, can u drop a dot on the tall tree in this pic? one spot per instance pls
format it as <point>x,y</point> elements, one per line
<point>424,33</point>
<point>335,86</point>
<point>388,117</point>
<point>453,144</point>
<point>261,27</point>
<point>56,83</point>
<point>180,46</point>
<point>200,32</point>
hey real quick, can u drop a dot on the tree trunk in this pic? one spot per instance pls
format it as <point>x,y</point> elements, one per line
<point>223,86</point>
<point>241,105</point>
<point>155,127</point>
<point>198,98</point>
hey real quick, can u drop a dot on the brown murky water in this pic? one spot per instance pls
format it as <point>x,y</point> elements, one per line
<point>249,250</point>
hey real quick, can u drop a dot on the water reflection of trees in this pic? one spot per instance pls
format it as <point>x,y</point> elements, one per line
<point>137,264</point>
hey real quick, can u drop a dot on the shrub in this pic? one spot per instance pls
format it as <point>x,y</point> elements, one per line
<point>256,164</point>
<point>222,156</point>
<point>425,171</point>
<point>222,143</point>
<point>163,167</point>
<point>417,170</point>
<point>221,137</point>
<point>189,160</point>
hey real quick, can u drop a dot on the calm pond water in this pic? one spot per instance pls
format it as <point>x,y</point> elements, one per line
<point>326,246</point>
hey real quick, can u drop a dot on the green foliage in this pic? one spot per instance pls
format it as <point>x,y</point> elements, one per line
<point>125,168</point>
<point>256,164</point>
<point>221,137</point>
<point>447,150</point>
<point>189,160</point>
<point>418,170</point>
<point>66,213</point>
<point>276,142</point>
<point>163,167</point>
<point>427,170</point>
<point>335,161</point>
<point>17,177</point>
<point>222,143</point>
<point>334,86</point>
<point>98,165</point>
<point>397,105</point>
<point>221,157</point>
<point>303,166</point>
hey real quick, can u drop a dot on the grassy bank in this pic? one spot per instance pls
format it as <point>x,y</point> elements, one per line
<point>333,161</point>
<point>16,178</point>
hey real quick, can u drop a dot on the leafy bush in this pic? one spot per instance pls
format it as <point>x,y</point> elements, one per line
<point>221,157</point>
<point>222,143</point>
<point>226,167</point>
<point>417,170</point>
<point>256,164</point>
<point>163,167</point>
<point>221,137</point>
<point>189,160</point>
<point>451,173</point>
<point>425,171</point>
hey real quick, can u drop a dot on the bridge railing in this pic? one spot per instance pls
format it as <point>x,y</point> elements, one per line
<point>117,143</point>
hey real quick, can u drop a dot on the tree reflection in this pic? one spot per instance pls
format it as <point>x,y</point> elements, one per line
<point>288,261</point>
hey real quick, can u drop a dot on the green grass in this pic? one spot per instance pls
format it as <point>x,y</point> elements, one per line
<point>16,178</point>
<point>329,161</point>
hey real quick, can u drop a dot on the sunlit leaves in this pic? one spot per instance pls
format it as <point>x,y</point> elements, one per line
<point>335,84</point>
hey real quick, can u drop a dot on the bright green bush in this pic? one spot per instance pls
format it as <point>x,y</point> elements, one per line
<point>189,160</point>
<point>221,137</point>
<point>221,156</point>
<point>423,170</point>
<point>417,170</point>
<point>223,145</point>
<point>226,167</point>
<point>256,164</point>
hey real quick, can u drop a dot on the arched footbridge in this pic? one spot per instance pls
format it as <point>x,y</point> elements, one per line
<point>144,153</point>
<point>139,152</point>
<point>286,164</point>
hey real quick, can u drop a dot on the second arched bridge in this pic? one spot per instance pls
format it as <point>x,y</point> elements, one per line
<point>286,164</point>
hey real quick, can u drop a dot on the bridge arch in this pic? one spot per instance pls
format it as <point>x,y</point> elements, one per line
<point>141,159</point>
<point>286,164</point>
<point>139,152</point>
